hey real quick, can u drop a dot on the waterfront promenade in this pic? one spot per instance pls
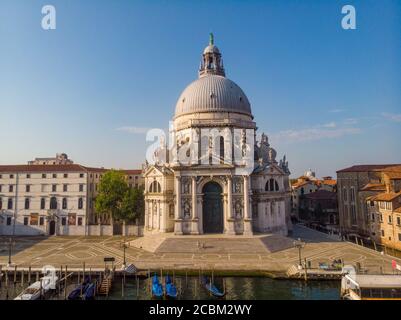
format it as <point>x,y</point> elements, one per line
<point>270,255</point>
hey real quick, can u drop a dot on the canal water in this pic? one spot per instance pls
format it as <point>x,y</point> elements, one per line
<point>248,288</point>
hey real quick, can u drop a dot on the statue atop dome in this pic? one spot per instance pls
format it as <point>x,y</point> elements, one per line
<point>211,63</point>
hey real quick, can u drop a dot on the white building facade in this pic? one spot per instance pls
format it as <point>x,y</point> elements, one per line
<point>228,183</point>
<point>49,198</point>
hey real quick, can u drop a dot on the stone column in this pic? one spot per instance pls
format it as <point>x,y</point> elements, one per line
<point>247,208</point>
<point>230,218</point>
<point>178,218</point>
<point>195,220</point>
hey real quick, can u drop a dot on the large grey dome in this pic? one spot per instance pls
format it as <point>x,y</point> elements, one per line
<point>212,93</point>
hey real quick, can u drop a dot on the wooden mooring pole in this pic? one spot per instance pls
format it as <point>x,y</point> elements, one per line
<point>65,283</point>
<point>15,275</point>
<point>29,275</point>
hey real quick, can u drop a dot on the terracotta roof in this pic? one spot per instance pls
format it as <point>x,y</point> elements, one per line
<point>42,168</point>
<point>102,170</point>
<point>56,168</point>
<point>398,210</point>
<point>395,169</point>
<point>368,167</point>
<point>385,196</point>
<point>321,194</point>
<point>301,183</point>
<point>374,187</point>
<point>330,182</point>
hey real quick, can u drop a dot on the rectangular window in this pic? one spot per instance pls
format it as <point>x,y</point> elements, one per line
<point>54,188</point>
<point>381,217</point>
<point>81,187</point>
<point>41,221</point>
<point>80,221</point>
<point>34,219</point>
<point>26,221</point>
<point>372,203</point>
<point>398,221</point>
<point>81,175</point>
<point>11,188</point>
<point>0,188</point>
<point>72,219</point>
<point>65,187</point>
<point>27,188</point>
<point>65,175</point>
<point>353,215</point>
<point>43,175</point>
<point>11,176</point>
<point>373,217</point>
<point>399,237</point>
<point>28,176</point>
<point>63,221</point>
<point>390,220</point>
<point>54,175</point>
<point>9,221</point>
<point>382,233</point>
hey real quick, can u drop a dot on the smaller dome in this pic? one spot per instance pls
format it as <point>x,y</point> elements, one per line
<point>211,48</point>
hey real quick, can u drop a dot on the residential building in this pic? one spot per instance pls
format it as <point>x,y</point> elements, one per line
<point>320,207</point>
<point>305,184</point>
<point>355,184</point>
<point>52,199</point>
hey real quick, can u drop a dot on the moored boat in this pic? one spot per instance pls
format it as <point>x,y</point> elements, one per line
<point>38,288</point>
<point>157,288</point>
<point>171,289</point>
<point>213,290</point>
<point>370,287</point>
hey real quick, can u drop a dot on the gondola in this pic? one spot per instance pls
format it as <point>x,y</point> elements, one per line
<point>171,289</point>
<point>157,288</point>
<point>213,290</point>
<point>79,292</point>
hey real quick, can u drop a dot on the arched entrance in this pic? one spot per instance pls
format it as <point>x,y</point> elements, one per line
<point>52,228</point>
<point>212,208</point>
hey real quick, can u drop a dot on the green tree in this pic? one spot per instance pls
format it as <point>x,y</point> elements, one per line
<point>116,200</point>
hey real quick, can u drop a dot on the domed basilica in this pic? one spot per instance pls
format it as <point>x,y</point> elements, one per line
<point>214,177</point>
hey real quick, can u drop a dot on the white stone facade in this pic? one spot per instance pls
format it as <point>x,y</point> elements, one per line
<point>213,190</point>
<point>47,199</point>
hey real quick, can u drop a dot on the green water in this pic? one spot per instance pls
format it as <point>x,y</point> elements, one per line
<point>248,288</point>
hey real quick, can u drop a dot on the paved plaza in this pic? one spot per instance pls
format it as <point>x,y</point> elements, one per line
<point>271,254</point>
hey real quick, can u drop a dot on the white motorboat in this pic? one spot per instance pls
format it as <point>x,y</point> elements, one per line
<point>38,288</point>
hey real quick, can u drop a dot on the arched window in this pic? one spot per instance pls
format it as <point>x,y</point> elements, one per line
<point>53,203</point>
<point>26,203</point>
<point>10,203</point>
<point>64,203</point>
<point>272,185</point>
<point>221,150</point>
<point>43,203</point>
<point>80,203</point>
<point>155,187</point>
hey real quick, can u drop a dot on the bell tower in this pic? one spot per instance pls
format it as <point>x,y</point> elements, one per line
<point>211,63</point>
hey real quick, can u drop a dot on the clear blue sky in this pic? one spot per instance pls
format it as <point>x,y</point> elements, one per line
<point>327,97</point>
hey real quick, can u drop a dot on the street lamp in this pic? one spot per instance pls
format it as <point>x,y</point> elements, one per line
<point>124,245</point>
<point>299,244</point>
